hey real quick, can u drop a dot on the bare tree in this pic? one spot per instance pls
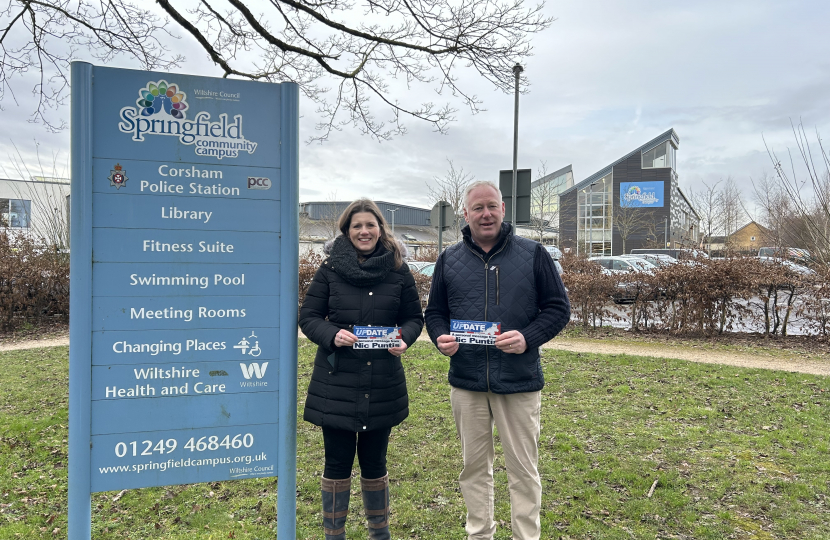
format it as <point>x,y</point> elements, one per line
<point>450,188</point>
<point>707,204</point>
<point>348,58</point>
<point>730,207</point>
<point>330,216</point>
<point>809,199</point>
<point>774,210</point>
<point>630,220</point>
<point>544,204</point>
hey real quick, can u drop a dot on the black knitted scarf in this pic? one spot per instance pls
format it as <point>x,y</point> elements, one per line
<point>344,260</point>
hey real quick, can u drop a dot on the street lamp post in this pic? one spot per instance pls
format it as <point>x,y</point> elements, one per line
<point>517,71</point>
<point>393,210</point>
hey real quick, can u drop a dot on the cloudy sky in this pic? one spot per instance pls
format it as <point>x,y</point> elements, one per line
<point>606,77</point>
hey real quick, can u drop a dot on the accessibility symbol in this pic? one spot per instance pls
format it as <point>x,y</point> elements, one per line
<point>245,346</point>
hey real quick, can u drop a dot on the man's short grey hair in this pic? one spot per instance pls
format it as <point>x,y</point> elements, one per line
<point>478,184</point>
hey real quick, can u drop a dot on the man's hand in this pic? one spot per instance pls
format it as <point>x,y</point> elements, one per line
<point>344,338</point>
<point>397,351</point>
<point>510,342</point>
<point>447,345</point>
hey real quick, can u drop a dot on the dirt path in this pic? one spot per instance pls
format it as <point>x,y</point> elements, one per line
<point>35,343</point>
<point>790,362</point>
<point>793,362</point>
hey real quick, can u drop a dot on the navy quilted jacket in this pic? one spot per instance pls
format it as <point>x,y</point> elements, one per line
<point>515,284</point>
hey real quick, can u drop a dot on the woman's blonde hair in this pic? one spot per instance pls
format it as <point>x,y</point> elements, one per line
<point>367,205</point>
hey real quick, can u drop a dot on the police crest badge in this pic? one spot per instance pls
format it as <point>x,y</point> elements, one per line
<point>118,176</point>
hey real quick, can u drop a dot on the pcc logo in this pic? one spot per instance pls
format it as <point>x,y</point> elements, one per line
<point>255,182</point>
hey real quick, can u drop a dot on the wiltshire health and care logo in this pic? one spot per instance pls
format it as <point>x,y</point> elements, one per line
<point>161,109</point>
<point>118,176</point>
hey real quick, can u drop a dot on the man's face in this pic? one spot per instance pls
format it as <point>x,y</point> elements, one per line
<point>484,212</point>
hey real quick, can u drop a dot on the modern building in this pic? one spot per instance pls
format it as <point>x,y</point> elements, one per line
<point>38,207</point>
<point>544,200</point>
<point>634,202</point>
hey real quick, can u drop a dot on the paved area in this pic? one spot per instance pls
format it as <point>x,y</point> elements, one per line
<point>793,362</point>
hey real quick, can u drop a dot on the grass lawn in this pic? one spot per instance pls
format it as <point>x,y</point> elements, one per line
<point>735,453</point>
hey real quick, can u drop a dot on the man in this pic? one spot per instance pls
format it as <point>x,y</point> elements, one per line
<point>496,276</point>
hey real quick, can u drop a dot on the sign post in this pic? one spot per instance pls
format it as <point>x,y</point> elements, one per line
<point>522,189</point>
<point>183,336</point>
<point>440,217</point>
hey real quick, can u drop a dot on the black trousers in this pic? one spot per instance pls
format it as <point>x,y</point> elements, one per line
<point>340,448</point>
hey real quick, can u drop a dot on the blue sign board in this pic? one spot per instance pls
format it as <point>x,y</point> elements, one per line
<point>183,335</point>
<point>641,194</point>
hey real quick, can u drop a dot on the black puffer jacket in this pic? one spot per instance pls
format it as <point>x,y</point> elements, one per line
<point>350,389</point>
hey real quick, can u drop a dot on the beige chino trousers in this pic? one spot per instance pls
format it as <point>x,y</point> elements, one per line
<point>518,419</point>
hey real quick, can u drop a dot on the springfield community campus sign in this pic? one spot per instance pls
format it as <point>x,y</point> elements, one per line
<point>641,194</point>
<point>184,285</point>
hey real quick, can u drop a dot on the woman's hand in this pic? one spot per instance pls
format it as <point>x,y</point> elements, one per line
<point>397,351</point>
<point>344,338</point>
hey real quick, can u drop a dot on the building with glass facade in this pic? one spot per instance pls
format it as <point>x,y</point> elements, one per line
<point>544,197</point>
<point>634,202</point>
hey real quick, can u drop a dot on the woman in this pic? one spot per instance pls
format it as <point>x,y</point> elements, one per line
<point>357,396</point>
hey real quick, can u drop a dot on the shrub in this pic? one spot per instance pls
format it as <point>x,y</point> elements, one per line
<point>310,261</point>
<point>589,290</point>
<point>34,282</point>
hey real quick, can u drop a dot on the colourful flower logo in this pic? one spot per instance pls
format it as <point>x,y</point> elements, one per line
<point>634,190</point>
<point>159,96</point>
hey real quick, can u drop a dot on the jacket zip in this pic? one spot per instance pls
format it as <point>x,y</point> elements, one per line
<point>497,285</point>
<point>486,300</point>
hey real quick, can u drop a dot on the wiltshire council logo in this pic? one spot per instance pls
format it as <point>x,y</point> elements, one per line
<point>161,110</point>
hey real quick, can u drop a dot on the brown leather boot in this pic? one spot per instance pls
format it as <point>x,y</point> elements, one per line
<point>376,503</point>
<point>335,507</point>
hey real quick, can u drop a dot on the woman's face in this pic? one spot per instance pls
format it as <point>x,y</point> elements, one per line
<point>364,232</point>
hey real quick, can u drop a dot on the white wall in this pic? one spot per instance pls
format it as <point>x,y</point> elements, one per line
<point>49,207</point>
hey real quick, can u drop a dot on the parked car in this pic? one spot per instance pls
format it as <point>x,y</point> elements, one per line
<point>620,265</point>
<point>657,259</point>
<point>789,265</point>
<point>678,254</point>
<point>417,266</point>
<point>427,269</point>
<point>798,255</point>
<point>555,254</point>
<point>617,264</point>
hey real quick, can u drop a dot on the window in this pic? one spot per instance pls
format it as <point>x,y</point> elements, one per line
<point>15,213</point>
<point>594,207</point>
<point>621,265</point>
<point>661,156</point>
<point>751,238</point>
